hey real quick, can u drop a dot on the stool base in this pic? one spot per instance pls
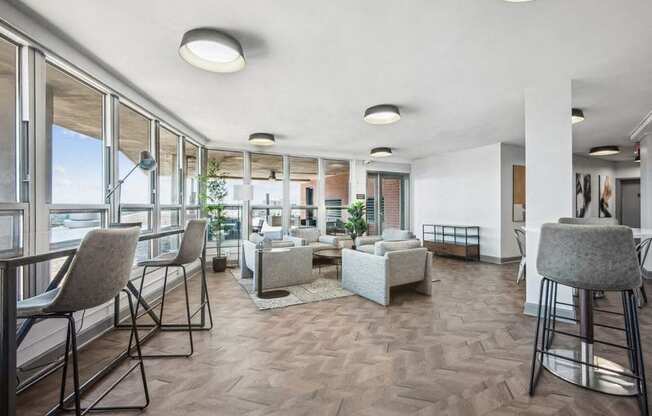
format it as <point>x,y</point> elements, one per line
<point>597,379</point>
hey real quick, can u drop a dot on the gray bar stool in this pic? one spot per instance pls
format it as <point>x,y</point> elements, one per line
<point>588,258</point>
<point>192,246</point>
<point>98,272</point>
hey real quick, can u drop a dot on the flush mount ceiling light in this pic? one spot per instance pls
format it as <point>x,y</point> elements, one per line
<point>262,139</point>
<point>381,152</point>
<point>577,115</point>
<point>382,114</point>
<point>604,150</point>
<point>212,50</point>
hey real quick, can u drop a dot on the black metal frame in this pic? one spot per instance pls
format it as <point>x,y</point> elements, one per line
<point>439,237</point>
<point>547,332</point>
<point>71,349</point>
<point>10,338</point>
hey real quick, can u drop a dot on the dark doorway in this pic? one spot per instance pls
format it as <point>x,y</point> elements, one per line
<point>629,202</point>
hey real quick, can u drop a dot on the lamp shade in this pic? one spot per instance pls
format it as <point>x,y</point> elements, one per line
<point>212,50</point>
<point>243,192</point>
<point>147,161</point>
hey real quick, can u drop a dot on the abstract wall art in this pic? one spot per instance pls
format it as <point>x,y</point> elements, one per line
<point>582,195</point>
<point>607,197</point>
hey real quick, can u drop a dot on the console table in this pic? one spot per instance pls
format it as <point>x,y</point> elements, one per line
<point>452,240</point>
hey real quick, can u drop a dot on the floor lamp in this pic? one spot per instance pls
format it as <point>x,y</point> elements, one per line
<point>146,163</point>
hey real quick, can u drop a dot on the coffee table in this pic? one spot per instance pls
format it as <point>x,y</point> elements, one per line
<point>333,255</point>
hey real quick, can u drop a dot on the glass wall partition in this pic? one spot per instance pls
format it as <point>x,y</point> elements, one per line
<point>75,128</point>
<point>267,180</point>
<point>168,180</point>
<point>303,192</point>
<point>387,201</point>
<point>12,214</point>
<point>191,170</point>
<point>136,204</point>
<point>227,168</point>
<point>336,195</point>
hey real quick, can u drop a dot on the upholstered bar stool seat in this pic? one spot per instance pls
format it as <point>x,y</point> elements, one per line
<point>589,258</point>
<point>37,304</point>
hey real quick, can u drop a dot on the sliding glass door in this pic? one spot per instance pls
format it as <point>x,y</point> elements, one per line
<point>387,201</point>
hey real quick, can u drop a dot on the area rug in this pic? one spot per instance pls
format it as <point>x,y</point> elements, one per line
<point>319,290</point>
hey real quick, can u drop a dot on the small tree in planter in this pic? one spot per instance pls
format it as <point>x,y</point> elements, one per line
<point>356,225</point>
<point>212,194</point>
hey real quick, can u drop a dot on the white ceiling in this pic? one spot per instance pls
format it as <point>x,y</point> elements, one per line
<point>457,68</point>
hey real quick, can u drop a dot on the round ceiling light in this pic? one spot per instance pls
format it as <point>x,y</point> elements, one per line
<point>212,50</point>
<point>604,150</point>
<point>381,152</point>
<point>382,114</point>
<point>577,115</point>
<point>262,139</point>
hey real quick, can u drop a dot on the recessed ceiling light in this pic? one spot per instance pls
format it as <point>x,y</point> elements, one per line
<point>577,115</point>
<point>262,139</point>
<point>382,114</point>
<point>604,150</point>
<point>212,50</point>
<point>381,152</point>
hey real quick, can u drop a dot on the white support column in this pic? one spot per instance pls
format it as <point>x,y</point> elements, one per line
<point>549,172</point>
<point>646,188</point>
<point>321,196</point>
<point>246,180</point>
<point>286,195</point>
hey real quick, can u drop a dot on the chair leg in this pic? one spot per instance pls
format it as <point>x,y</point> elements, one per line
<point>639,368</point>
<point>75,363</point>
<point>140,296</point>
<point>521,271</point>
<point>138,350</point>
<point>536,340</point>
<point>185,287</point>
<point>643,293</point>
<point>64,375</point>
<point>207,300</point>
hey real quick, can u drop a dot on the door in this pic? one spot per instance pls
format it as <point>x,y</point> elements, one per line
<point>630,202</point>
<point>387,196</point>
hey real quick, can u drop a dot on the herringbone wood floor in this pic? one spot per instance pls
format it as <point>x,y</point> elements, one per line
<point>465,351</point>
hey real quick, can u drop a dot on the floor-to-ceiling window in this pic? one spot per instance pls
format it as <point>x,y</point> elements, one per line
<point>12,213</point>
<point>74,126</point>
<point>227,167</point>
<point>136,205</point>
<point>191,170</point>
<point>336,194</point>
<point>169,196</point>
<point>303,191</point>
<point>267,180</point>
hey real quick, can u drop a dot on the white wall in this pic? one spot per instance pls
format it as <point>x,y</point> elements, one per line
<point>510,155</point>
<point>460,188</point>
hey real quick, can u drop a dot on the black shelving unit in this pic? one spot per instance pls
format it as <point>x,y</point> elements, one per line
<point>452,240</point>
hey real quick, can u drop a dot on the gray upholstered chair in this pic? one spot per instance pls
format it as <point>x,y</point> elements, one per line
<point>588,221</point>
<point>519,234</point>
<point>643,249</point>
<point>289,266</point>
<point>98,272</point>
<point>191,250</point>
<point>588,258</point>
<point>310,236</point>
<point>393,263</point>
<point>366,243</point>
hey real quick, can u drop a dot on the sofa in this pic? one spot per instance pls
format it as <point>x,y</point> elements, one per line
<point>312,237</point>
<point>366,244</point>
<point>393,263</point>
<point>284,263</point>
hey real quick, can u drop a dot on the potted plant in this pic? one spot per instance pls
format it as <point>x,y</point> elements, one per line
<point>212,193</point>
<point>356,225</point>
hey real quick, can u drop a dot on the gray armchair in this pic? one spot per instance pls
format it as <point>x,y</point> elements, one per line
<point>392,264</point>
<point>284,264</point>
<point>366,244</point>
<point>312,237</point>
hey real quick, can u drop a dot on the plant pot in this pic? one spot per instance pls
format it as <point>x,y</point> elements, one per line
<point>219,264</point>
